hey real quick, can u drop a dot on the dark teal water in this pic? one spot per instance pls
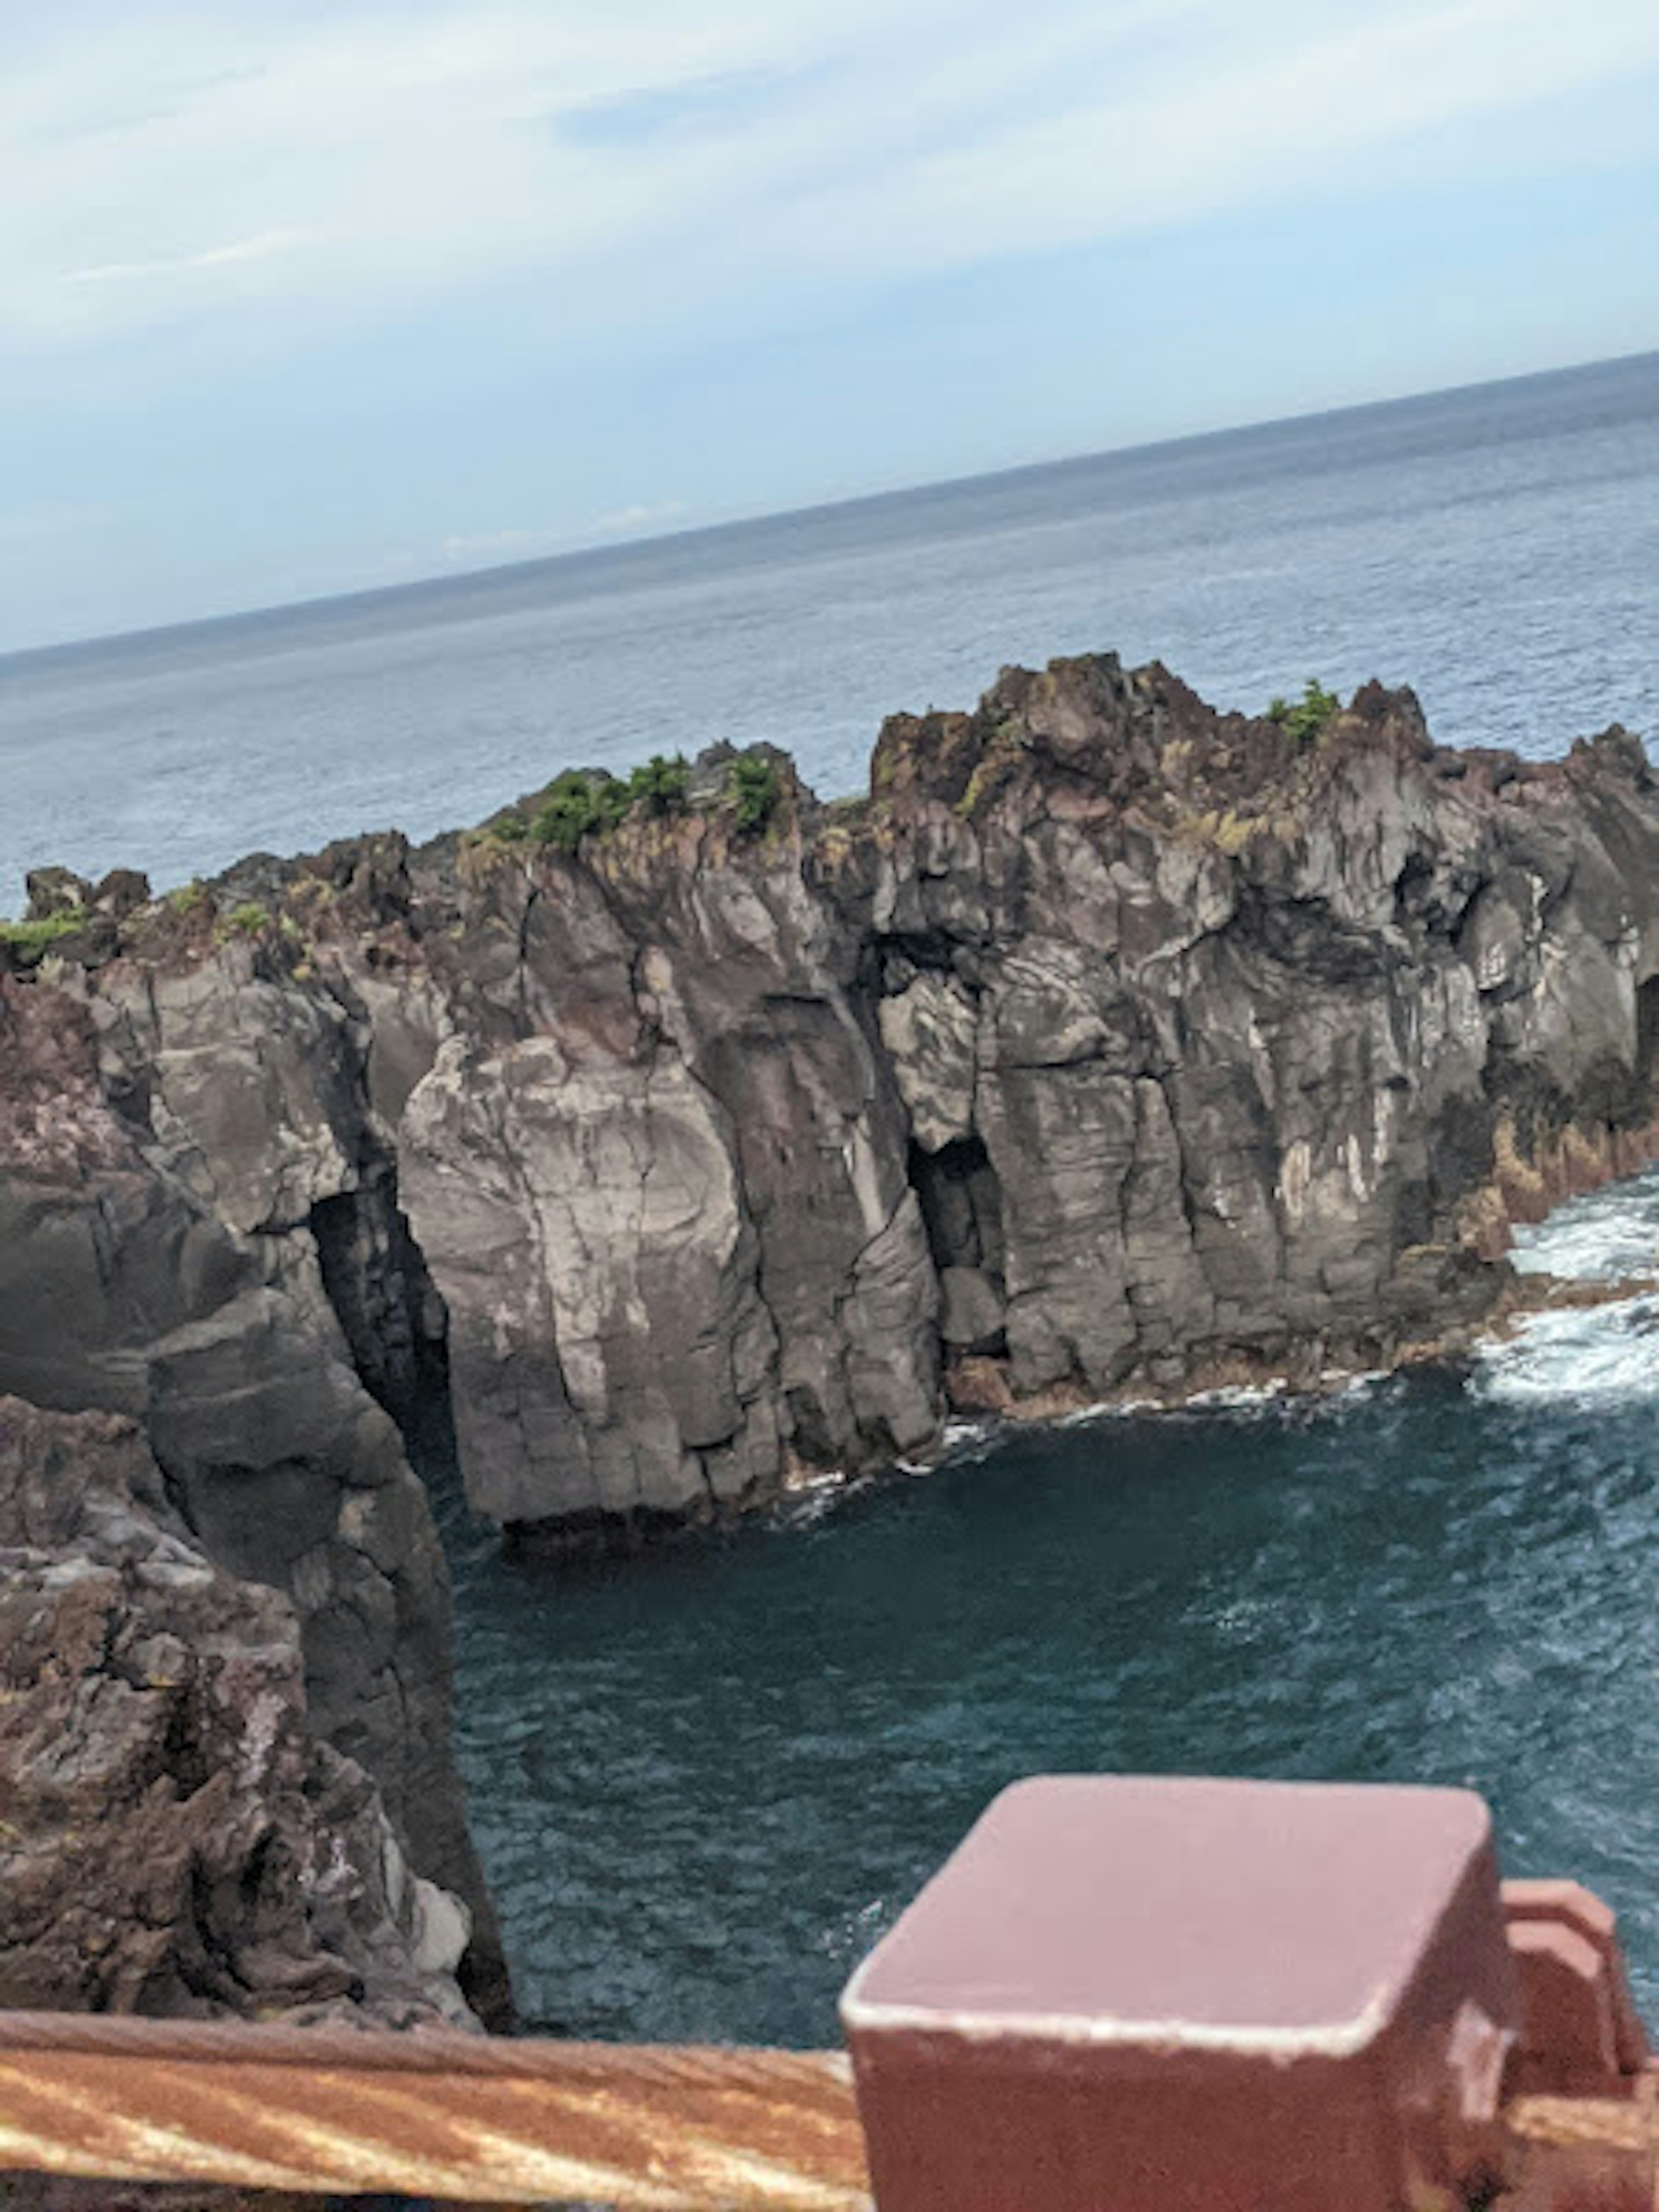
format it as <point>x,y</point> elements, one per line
<point>705,1779</point>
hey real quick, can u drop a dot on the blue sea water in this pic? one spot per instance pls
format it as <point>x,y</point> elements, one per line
<point>1496,547</point>
<point>705,1778</point>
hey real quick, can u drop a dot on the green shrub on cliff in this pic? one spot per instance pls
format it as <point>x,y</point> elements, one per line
<point>661,786</point>
<point>1307,719</point>
<point>577,803</point>
<point>755,789</point>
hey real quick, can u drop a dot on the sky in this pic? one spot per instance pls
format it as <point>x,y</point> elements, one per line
<point>303,296</point>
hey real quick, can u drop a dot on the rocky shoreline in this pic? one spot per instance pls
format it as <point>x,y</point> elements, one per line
<point>670,1141</point>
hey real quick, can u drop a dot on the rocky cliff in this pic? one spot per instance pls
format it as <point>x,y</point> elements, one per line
<point>1112,1043</point>
<point>669,1139</point>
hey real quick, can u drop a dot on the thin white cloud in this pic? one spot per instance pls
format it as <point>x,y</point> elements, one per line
<point>359,160</point>
<point>235,255</point>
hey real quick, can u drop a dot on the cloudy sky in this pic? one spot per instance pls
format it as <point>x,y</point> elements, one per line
<point>302,295</point>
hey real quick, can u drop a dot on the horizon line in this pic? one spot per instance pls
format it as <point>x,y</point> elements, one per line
<point>598,550</point>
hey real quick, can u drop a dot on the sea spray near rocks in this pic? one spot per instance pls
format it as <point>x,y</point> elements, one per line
<point>1606,1352</point>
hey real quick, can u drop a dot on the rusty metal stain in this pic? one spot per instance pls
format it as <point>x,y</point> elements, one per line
<point>681,2130</point>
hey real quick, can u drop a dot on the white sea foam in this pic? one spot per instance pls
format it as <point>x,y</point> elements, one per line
<point>1588,1352</point>
<point>1612,1234</point>
<point>959,1432</point>
<point>1598,1353</point>
<point>1237,1397</point>
<point>1082,1417</point>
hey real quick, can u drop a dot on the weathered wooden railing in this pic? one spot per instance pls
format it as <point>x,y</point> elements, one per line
<point>1119,1995</point>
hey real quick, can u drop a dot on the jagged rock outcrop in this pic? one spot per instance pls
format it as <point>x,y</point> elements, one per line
<point>1248,1023</point>
<point>176,1838</point>
<point>1112,1044</point>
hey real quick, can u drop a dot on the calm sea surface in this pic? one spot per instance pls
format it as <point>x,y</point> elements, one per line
<point>704,1782</point>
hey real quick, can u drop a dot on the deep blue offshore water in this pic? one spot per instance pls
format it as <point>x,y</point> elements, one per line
<point>1496,547</point>
<point>705,1778</point>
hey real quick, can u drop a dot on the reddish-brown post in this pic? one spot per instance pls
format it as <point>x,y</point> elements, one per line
<point>1580,2033</point>
<point>1130,1995</point>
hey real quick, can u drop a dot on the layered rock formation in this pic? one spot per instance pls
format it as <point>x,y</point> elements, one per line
<point>1111,1044</point>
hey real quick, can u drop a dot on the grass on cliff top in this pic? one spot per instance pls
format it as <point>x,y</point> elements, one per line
<point>248,920</point>
<point>41,936</point>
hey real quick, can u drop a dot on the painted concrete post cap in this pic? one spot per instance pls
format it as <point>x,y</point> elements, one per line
<point>1224,1983</point>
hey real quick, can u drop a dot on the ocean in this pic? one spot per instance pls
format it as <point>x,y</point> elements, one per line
<point>705,1778</point>
<point>1497,548</point>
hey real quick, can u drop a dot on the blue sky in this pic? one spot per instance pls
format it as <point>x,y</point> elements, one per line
<point>298,297</point>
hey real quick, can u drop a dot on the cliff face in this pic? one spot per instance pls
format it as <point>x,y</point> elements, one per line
<point>1111,1044</point>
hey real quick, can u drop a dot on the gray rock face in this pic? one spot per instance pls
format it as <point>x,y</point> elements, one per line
<point>1252,1022</point>
<point>1113,1042</point>
<point>177,1838</point>
<point>659,1176</point>
<point>585,1224</point>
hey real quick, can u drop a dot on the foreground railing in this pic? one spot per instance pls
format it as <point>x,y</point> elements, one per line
<point>1119,1995</point>
<point>337,2111</point>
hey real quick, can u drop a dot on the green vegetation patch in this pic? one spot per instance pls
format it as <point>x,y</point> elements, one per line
<point>37,937</point>
<point>577,803</point>
<point>248,920</point>
<point>1310,717</point>
<point>587,803</point>
<point>754,788</point>
<point>661,786</point>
